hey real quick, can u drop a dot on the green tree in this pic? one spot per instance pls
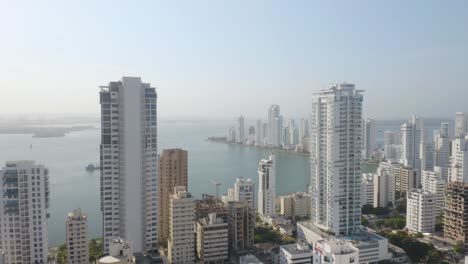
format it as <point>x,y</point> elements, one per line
<point>367,209</point>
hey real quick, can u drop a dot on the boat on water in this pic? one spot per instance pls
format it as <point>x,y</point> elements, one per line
<point>92,167</point>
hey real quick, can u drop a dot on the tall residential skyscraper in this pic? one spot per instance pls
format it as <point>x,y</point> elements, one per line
<point>303,129</point>
<point>293,132</point>
<point>336,168</point>
<point>461,124</point>
<point>267,186</point>
<point>172,172</point>
<point>427,155</point>
<point>181,243</point>
<point>412,135</point>
<point>24,192</point>
<point>259,133</point>
<point>273,134</point>
<point>129,163</point>
<point>231,135</point>
<point>442,149</point>
<point>392,145</point>
<point>240,130</point>
<point>458,171</point>
<point>76,234</point>
<point>368,145</point>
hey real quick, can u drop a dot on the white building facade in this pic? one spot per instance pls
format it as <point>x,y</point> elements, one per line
<point>335,251</point>
<point>212,239</point>
<point>336,158</point>
<point>181,246</point>
<point>433,182</point>
<point>76,236</point>
<point>368,145</point>
<point>24,192</point>
<point>244,190</point>
<point>240,130</point>
<point>461,124</point>
<point>128,154</point>
<point>273,135</point>
<point>458,170</point>
<point>367,189</point>
<point>412,135</point>
<point>420,211</point>
<point>384,188</point>
<point>267,186</point>
<point>295,253</point>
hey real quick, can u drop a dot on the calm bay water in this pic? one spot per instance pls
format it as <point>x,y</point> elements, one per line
<point>72,187</point>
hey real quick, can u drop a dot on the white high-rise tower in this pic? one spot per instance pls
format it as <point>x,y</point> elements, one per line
<point>412,135</point>
<point>259,133</point>
<point>267,186</point>
<point>273,134</point>
<point>368,145</point>
<point>129,163</point>
<point>461,124</point>
<point>24,200</point>
<point>240,130</point>
<point>335,154</point>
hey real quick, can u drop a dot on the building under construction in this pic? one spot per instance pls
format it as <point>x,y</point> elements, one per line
<point>210,204</point>
<point>456,213</point>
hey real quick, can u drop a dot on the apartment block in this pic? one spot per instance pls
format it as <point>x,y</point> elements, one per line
<point>241,222</point>
<point>25,199</point>
<point>76,234</point>
<point>181,244</point>
<point>456,212</point>
<point>172,172</point>
<point>212,239</point>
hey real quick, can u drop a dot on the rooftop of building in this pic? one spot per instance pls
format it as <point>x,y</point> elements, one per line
<point>294,249</point>
<point>365,235</point>
<point>250,259</point>
<point>76,215</point>
<point>322,233</point>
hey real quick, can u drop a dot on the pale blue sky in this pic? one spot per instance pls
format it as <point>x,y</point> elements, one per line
<point>217,59</point>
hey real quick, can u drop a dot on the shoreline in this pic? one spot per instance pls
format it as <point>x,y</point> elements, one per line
<point>223,140</point>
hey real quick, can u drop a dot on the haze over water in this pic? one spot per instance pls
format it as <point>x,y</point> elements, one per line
<point>72,187</point>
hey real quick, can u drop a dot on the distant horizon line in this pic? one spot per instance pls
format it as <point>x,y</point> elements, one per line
<point>50,115</point>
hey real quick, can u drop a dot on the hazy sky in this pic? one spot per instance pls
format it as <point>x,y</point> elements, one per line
<point>219,59</point>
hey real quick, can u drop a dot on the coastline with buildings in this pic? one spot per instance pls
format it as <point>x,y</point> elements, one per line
<point>412,171</point>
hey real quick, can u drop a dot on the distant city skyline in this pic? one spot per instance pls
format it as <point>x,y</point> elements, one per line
<point>211,59</point>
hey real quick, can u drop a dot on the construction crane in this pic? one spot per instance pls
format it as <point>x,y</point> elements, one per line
<point>218,185</point>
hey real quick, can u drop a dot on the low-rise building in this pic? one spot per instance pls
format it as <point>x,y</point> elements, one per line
<point>212,239</point>
<point>120,252</point>
<point>295,253</point>
<point>331,251</point>
<point>249,259</point>
<point>372,247</point>
<point>295,205</point>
